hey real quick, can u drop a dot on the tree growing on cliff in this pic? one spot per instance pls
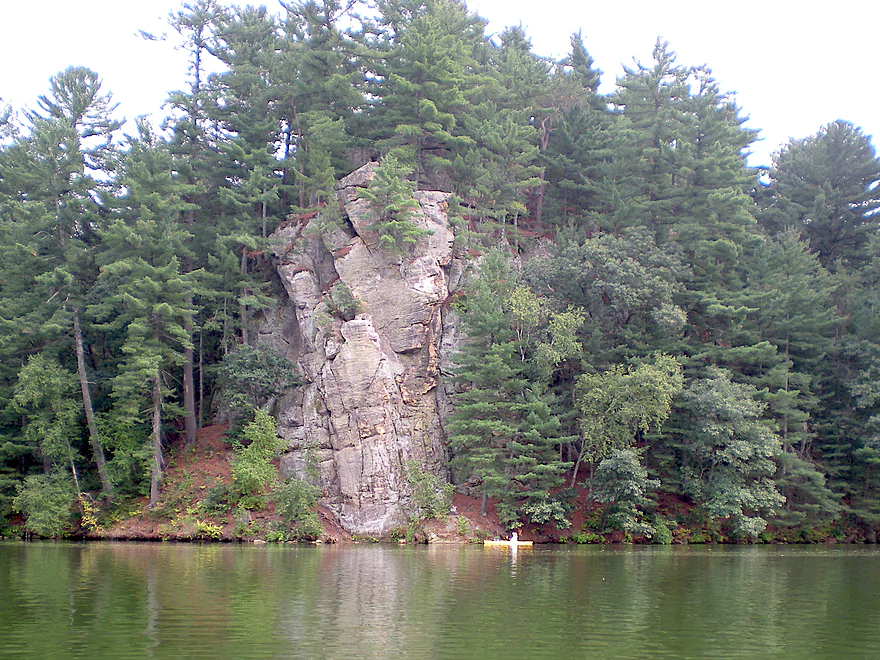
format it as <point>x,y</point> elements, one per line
<point>390,195</point>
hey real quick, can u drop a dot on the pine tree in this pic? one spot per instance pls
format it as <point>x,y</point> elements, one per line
<point>147,293</point>
<point>61,184</point>
<point>826,187</point>
<point>504,433</point>
<point>426,83</point>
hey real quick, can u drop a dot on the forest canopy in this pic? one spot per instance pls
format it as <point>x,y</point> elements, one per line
<point>690,326</point>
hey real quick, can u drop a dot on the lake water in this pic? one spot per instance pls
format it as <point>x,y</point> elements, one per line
<point>113,600</point>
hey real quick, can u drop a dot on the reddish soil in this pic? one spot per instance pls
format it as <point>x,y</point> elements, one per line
<point>189,478</point>
<point>189,474</point>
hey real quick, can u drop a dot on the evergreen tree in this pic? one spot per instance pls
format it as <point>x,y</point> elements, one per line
<point>62,180</point>
<point>147,293</point>
<point>826,186</point>
<point>426,81</point>
<point>504,433</point>
<point>390,197</point>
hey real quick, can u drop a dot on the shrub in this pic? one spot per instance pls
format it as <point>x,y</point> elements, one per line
<point>660,532</point>
<point>295,502</point>
<point>585,537</point>
<point>205,529</point>
<point>252,468</point>
<point>546,510</point>
<point>216,500</point>
<point>46,500</point>
<point>342,302</point>
<point>431,495</point>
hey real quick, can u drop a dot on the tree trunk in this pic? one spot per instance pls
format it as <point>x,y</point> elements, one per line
<point>156,436</point>
<point>199,418</point>
<point>244,291</point>
<point>484,504</point>
<point>189,403</point>
<point>94,438</point>
<point>539,203</point>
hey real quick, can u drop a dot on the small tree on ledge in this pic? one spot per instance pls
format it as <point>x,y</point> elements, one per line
<point>391,198</point>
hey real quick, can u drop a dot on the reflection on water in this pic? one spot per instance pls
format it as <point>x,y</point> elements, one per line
<point>164,600</point>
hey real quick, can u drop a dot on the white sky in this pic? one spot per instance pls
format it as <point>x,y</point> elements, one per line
<point>795,65</point>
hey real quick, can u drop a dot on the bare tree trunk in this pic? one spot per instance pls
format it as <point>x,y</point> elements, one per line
<point>243,307</point>
<point>539,203</point>
<point>94,438</point>
<point>577,467</point>
<point>200,417</point>
<point>189,403</point>
<point>156,436</point>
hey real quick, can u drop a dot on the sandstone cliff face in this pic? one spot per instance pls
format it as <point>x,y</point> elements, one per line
<point>369,331</point>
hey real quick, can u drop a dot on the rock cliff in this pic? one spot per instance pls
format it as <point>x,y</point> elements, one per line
<point>369,331</point>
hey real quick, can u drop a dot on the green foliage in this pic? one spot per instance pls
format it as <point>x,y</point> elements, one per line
<point>582,538</point>
<point>622,482</point>
<point>296,501</point>
<point>623,402</point>
<point>665,260</point>
<point>391,199</point>
<point>207,530</point>
<point>505,430</point>
<point>44,393</point>
<point>546,510</point>
<point>46,501</point>
<point>216,500</point>
<point>825,186</point>
<point>252,468</point>
<point>731,453</point>
<point>250,375</point>
<point>342,302</point>
<point>431,495</point>
<point>660,532</point>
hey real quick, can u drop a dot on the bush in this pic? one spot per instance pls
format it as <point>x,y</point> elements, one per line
<point>546,510</point>
<point>585,537</point>
<point>252,468</point>
<point>661,534</point>
<point>207,530</point>
<point>431,495</point>
<point>46,500</point>
<point>216,500</point>
<point>295,502</point>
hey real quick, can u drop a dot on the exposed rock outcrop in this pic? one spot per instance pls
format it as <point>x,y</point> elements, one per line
<point>369,330</point>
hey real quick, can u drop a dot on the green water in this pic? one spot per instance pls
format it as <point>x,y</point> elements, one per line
<point>106,600</point>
